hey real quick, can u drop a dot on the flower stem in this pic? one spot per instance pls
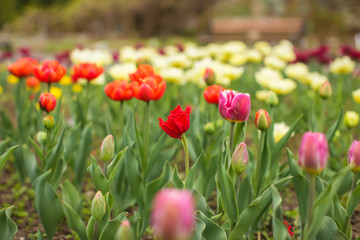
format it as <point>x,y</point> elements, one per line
<point>122,122</point>
<point>232,129</point>
<point>95,230</point>
<point>348,218</point>
<point>312,192</point>
<point>105,169</point>
<point>186,150</point>
<point>257,186</point>
<point>339,89</point>
<point>146,133</point>
<point>49,86</point>
<point>48,140</point>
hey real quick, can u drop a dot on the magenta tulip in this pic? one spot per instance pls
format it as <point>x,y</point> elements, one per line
<point>314,152</point>
<point>234,106</point>
<point>172,215</point>
<point>354,156</point>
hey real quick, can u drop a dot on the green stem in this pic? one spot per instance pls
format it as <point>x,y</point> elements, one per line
<point>322,114</point>
<point>49,86</point>
<point>232,128</point>
<point>339,89</point>
<point>186,150</point>
<point>48,142</point>
<point>122,121</point>
<point>348,218</point>
<point>312,192</point>
<point>105,169</point>
<point>95,230</point>
<point>146,133</point>
<point>257,184</point>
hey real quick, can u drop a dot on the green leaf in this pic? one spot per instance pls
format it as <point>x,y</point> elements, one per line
<point>207,229</point>
<point>5,156</point>
<point>176,179</point>
<point>71,196</point>
<point>8,228</point>
<point>244,194</point>
<point>323,203</point>
<point>279,228</point>
<point>112,227</point>
<point>240,133</point>
<point>55,153</point>
<point>189,182</point>
<point>38,151</point>
<point>30,162</point>
<point>47,204</point>
<point>329,231</point>
<point>301,185</point>
<point>98,177</point>
<point>115,164</point>
<point>74,221</point>
<point>353,201</point>
<point>154,159</point>
<point>154,186</point>
<point>332,130</point>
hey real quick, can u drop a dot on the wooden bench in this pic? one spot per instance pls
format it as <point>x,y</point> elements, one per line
<point>252,29</point>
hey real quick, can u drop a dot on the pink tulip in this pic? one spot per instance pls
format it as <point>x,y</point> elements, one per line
<point>172,214</point>
<point>354,156</point>
<point>234,106</point>
<point>314,152</point>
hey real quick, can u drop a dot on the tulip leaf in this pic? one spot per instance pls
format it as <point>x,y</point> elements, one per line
<point>323,203</point>
<point>155,185</point>
<point>339,213</point>
<point>189,182</point>
<point>98,177</point>
<point>301,185</point>
<point>38,151</point>
<point>55,153</point>
<point>332,130</point>
<point>353,201</point>
<point>114,165</point>
<point>240,133</point>
<point>8,227</point>
<point>47,204</point>
<point>207,229</point>
<point>279,228</point>
<point>329,231</point>
<point>6,155</point>
<point>244,193</point>
<point>112,227</point>
<point>176,179</point>
<point>71,196</point>
<point>74,221</point>
<point>154,160</point>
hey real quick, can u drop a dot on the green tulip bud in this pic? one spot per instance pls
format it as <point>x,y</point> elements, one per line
<point>209,127</point>
<point>124,232</point>
<point>48,122</point>
<point>240,158</point>
<point>272,99</point>
<point>262,120</point>
<point>351,119</point>
<point>107,148</point>
<point>98,206</point>
<point>41,137</point>
<point>325,90</point>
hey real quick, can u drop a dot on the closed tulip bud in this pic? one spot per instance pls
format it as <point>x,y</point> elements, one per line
<point>107,148</point>
<point>98,206</point>
<point>351,119</point>
<point>172,215</point>
<point>124,232</point>
<point>209,76</point>
<point>325,90</point>
<point>209,127</point>
<point>47,102</point>
<point>240,158</point>
<point>262,120</point>
<point>48,122</point>
<point>41,137</point>
<point>353,156</point>
<point>313,152</point>
<point>234,106</point>
<point>272,99</point>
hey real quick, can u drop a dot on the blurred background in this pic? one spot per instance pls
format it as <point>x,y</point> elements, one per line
<point>68,23</point>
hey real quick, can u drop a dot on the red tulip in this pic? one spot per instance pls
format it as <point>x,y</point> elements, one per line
<point>119,90</point>
<point>262,120</point>
<point>212,93</point>
<point>209,76</point>
<point>146,85</point>
<point>89,71</point>
<point>23,67</point>
<point>32,83</point>
<point>177,123</point>
<point>47,102</point>
<point>49,72</point>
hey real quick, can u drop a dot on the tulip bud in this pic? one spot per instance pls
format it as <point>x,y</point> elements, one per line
<point>240,158</point>
<point>219,123</point>
<point>272,99</point>
<point>124,232</point>
<point>142,61</point>
<point>262,120</point>
<point>209,127</point>
<point>313,152</point>
<point>47,102</point>
<point>98,206</point>
<point>351,119</point>
<point>172,214</point>
<point>353,156</point>
<point>107,148</point>
<point>209,76</point>
<point>48,122</point>
<point>325,90</point>
<point>41,137</point>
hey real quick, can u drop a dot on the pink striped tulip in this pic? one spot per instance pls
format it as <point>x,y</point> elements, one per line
<point>354,156</point>
<point>234,106</point>
<point>314,152</point>
<point>172,215</point>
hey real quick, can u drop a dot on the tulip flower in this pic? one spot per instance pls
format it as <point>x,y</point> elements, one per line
<point>146,85</point>
<point>353,156</point>
<point>313,152</point>
<point>325,90</point>
<point>32,84</point>
<point>98,206</point>
<point>234,106</point>
<point>23,67</point>
<point>272,99</point>
<point>107,148</point>
<point>240,158</point>
<point>209,76</point>
<point>172,215</point>
<point>49,72</point>
<point>211,93</point>
<point>47,102</point>
<point>124,232</point>
<point>119,90</point>
<point>262,120</point>
<point>88,71</point>
<point>351,119</point>
<point>49,122</point>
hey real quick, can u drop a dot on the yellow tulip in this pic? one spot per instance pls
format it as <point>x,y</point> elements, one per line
<point>57,92</point>
<point>12,79</point>
<point>356,95</point>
